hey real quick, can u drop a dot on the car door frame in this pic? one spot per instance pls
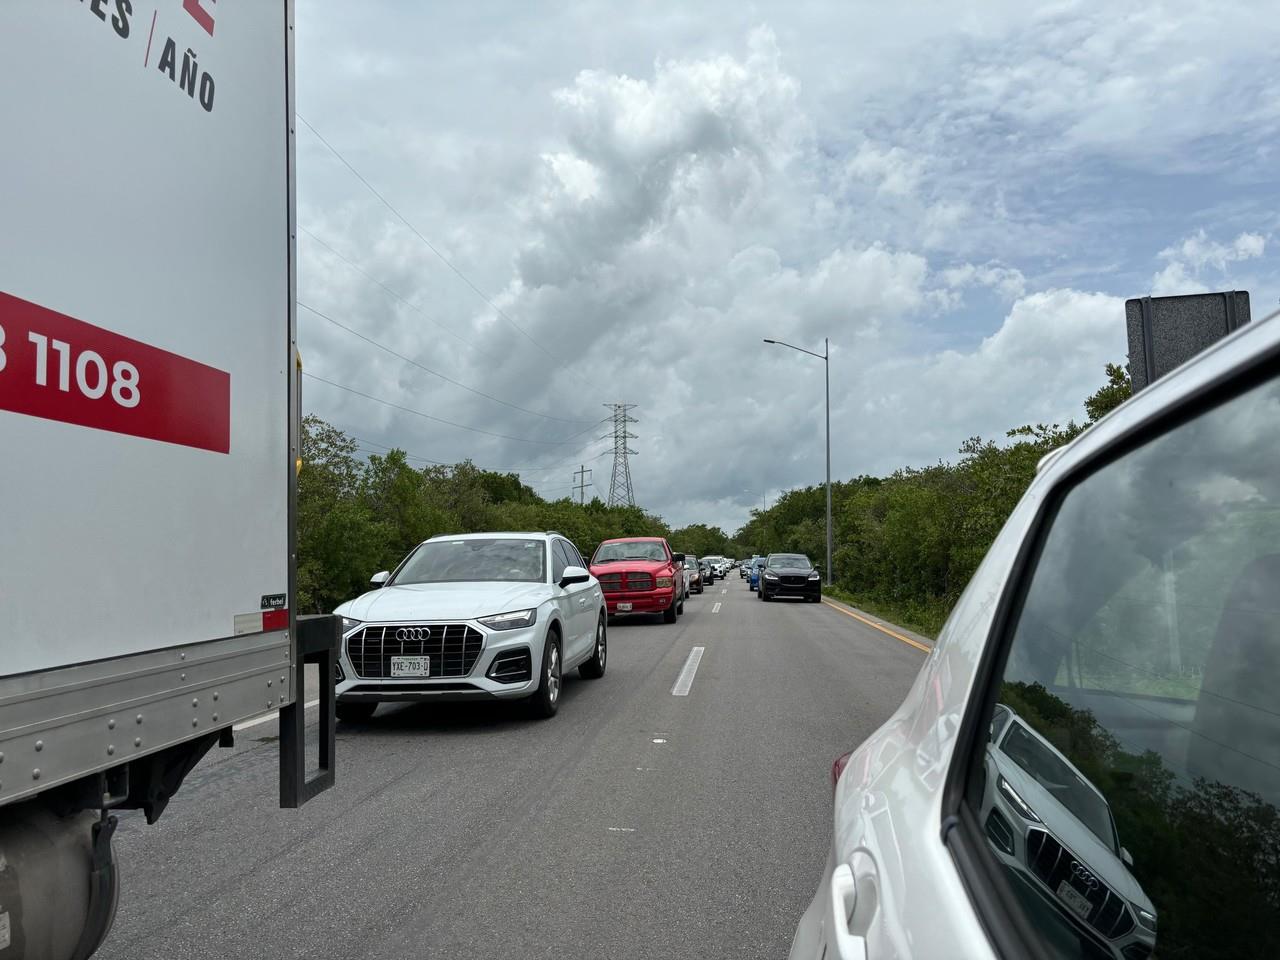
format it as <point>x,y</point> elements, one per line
<point>1010,931</point>
<point>578,610</point>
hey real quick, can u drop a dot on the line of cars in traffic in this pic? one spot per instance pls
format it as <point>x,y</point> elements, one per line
<point>503,616</point>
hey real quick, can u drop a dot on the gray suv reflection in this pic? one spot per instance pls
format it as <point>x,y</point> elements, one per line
<point>1054,831</point>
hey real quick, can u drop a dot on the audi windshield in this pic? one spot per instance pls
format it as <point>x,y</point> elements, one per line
<point>1063,783</point>
<point>460,561</point>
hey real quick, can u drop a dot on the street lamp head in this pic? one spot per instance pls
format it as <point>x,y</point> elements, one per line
<point>767,340</point>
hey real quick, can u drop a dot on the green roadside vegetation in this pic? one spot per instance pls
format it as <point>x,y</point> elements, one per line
<point>906,544</point>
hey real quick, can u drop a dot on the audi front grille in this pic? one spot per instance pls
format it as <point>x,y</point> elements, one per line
<point>1053,863</point>
<point>452,647</point>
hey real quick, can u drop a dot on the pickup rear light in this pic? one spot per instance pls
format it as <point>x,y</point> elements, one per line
<point>837,768</point>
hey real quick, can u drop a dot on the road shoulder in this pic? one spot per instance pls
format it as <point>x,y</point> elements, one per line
<point>898,633</point>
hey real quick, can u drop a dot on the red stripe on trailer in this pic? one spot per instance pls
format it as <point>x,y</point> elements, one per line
<point>56,367</point>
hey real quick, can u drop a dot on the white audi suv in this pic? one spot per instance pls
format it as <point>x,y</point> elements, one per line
<point>473,616</point>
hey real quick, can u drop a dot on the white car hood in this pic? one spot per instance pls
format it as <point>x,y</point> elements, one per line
<point>443,601</point>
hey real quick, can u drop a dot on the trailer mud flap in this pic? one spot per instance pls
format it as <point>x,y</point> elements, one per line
<point>317,642</point>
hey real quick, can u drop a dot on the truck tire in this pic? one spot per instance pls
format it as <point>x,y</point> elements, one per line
<point>593,669</point>
<point>355,712</point>
<point>669,615</point>
<point>680,607</point>
<point>544,704</point>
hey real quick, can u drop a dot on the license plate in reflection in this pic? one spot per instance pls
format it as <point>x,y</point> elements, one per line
<point>410,666</point>
<point>1077,901</point>
<point>624,607</point>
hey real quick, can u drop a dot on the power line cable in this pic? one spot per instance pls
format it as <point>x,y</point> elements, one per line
<point>436,373</point>
<point>402,299</point>
<point>427,416</point>
<point>430,246</point>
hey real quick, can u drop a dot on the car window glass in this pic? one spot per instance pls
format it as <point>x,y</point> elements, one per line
<point>1132,796</point>
<point>559,560</point>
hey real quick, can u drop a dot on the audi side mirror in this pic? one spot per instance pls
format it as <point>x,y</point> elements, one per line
<point>380,578</point>
<point>574,575</point>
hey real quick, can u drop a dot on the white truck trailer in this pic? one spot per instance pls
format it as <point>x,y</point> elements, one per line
<point>149,429</point>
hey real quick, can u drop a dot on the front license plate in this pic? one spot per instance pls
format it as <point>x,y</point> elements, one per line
<point>1077,901</point>
<point>410,666</point>
<point>624,608</point>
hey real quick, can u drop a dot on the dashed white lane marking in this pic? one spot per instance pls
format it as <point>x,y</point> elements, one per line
<point>725,590</point>
<point>685,680</point>
<point>658,740</point>
<point>621,829</point>
<point>716,608</point>
<point>270,716</point>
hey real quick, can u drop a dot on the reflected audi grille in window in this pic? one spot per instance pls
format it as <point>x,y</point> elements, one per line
<point>1053,864</point>
<point>452,647</point>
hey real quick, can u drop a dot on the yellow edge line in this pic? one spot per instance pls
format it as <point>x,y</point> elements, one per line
<point>875,626</point>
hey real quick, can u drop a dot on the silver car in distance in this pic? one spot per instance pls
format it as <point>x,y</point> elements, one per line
<point>498,616</point>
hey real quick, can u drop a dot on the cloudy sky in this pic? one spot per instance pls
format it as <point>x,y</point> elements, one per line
<point>599,202</point>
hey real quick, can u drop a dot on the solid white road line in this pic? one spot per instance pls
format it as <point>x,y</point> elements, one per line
<point>270,716</point>
<point>685,680</point>
<point>716,608</point>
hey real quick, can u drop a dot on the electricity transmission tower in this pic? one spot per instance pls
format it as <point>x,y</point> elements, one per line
<point>620,492</point>
<point>581,483</point>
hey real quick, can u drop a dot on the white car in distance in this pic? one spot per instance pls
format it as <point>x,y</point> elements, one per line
<point>484,616</point>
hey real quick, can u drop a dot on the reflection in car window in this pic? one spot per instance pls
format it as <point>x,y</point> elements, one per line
<point>559,560</point>
<point>459,561</point>
<point>641,550</point>
<point>789,560</point>
<point>1145,664</point>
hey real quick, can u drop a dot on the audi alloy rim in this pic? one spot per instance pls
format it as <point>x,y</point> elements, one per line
<point>553,674</point>
<point>600,647</point>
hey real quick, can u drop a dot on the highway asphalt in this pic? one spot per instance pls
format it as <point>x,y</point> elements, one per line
<point>634,824</point>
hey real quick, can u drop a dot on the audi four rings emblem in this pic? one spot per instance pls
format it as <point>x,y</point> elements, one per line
<point>413,633</point>
<point>1083,875</point>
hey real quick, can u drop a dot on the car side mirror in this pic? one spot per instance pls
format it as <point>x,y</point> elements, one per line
<point>1126,857</point>
<point>380,578</point>
<point>574,575</point>
<point>678,557</point>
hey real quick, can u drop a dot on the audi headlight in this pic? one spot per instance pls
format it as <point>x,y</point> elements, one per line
<point>511,621</point>
<point>771,576</point>
<point>348,625</point>
<point>1147,919</point>
<point>1010,794</point>
<point>664,581</point>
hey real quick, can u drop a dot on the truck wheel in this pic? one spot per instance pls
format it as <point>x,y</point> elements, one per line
<point>669,615</point>
<point>546,701</point>
<point>680,607</point>
<point>593,669</point>
<point>355,712</point>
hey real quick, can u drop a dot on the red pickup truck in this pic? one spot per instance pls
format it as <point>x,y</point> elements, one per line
<point>640,575</point>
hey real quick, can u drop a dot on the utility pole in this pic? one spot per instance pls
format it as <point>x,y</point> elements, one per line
<point>581,482</point>
<point>825,357</point>
<point>621,493</point>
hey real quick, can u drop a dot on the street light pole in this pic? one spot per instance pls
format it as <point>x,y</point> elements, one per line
<point>825,357</point>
